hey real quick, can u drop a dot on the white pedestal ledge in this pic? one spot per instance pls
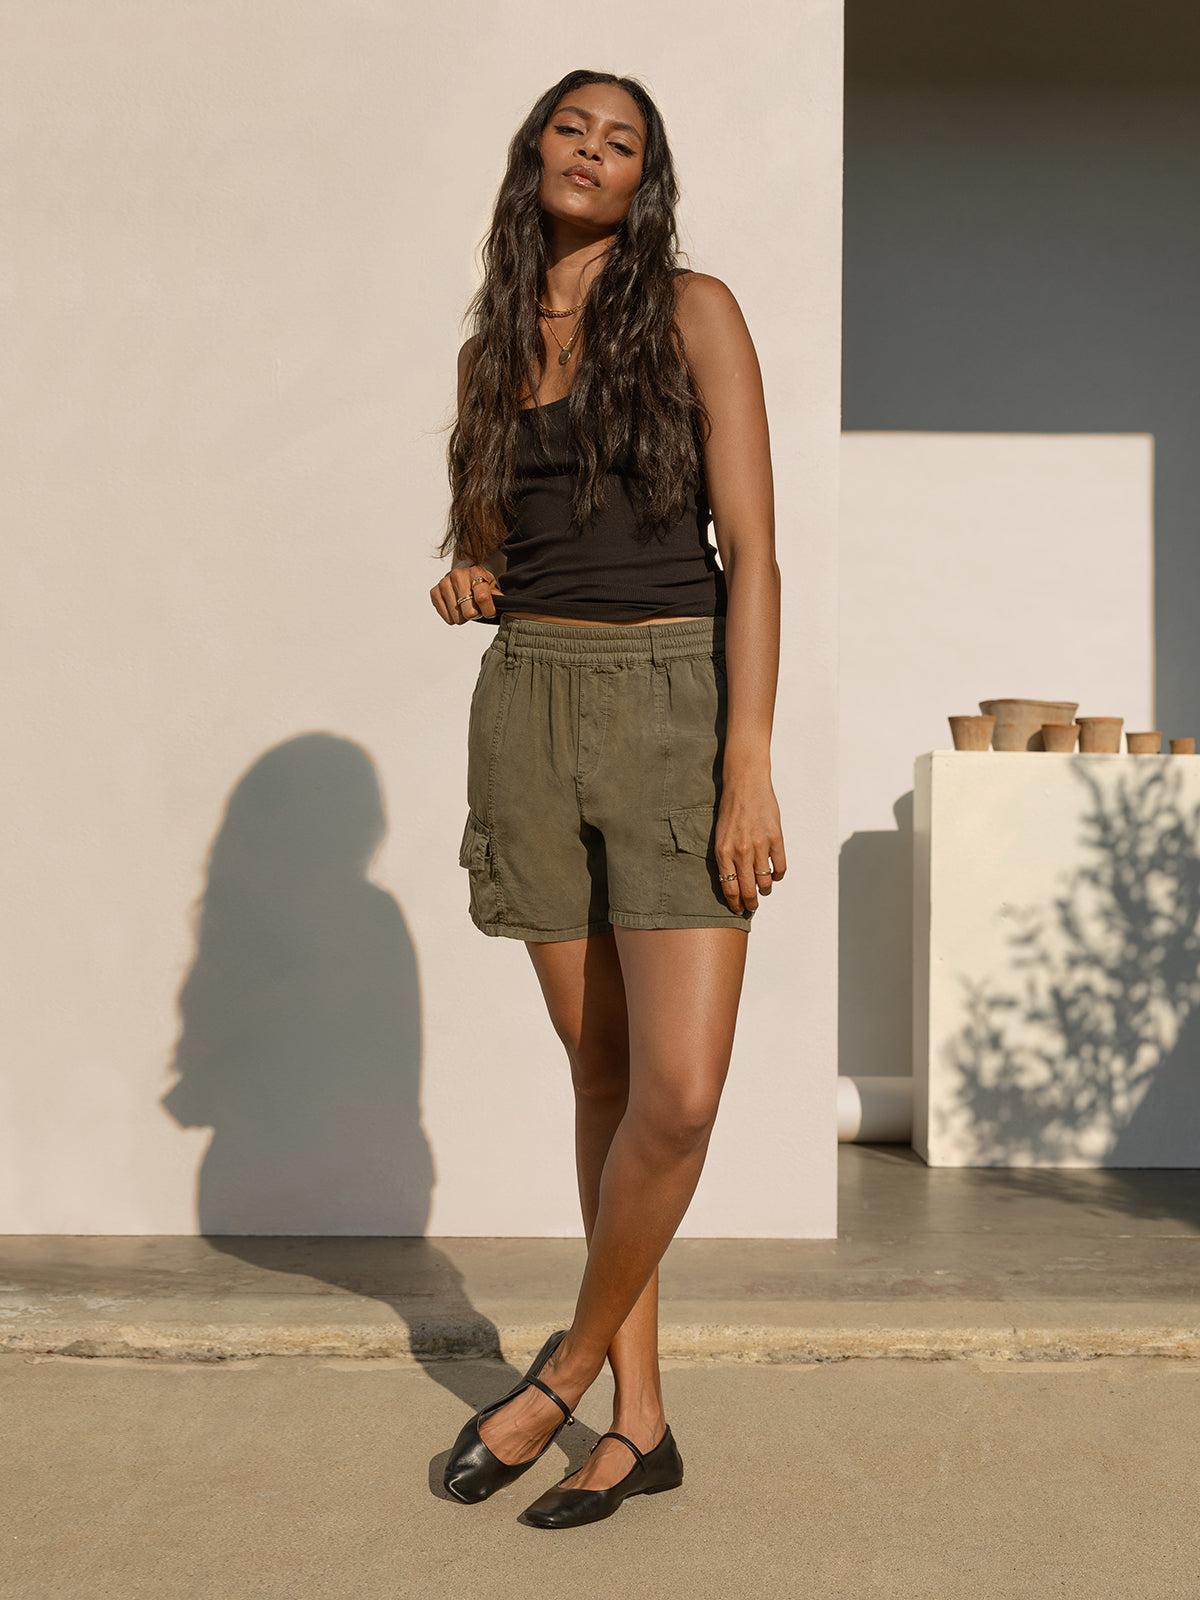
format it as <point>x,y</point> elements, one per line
<point>1056,960</point>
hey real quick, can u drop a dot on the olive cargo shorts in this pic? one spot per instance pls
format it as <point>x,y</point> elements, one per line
<point>593,776</point>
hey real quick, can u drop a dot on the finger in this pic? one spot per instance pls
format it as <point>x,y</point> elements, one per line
<point>441,605</point>
<point>768,875</point>
<point>462,605</point>
<point>747,883</point>
<point>483,592</point>
<point>778,859</point>
<point>728,877</point>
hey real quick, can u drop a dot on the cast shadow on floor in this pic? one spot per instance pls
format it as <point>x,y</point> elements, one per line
<point>300,1047</point>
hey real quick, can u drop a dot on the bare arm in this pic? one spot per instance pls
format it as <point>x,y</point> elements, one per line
<point>737,464</point>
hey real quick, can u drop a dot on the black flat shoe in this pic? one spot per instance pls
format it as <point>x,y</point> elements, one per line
<point>661,1468</point>
<point>473,1472</point>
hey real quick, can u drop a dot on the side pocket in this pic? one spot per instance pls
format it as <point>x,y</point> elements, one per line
<point>475,853</point>
<point>694,830</point>
<point>473,850</point>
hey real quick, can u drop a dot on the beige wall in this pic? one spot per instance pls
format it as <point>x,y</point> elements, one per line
<point>239,241</point>
<point>972,566</point>
<point>1056,1004</point>
<point>1020,243</point>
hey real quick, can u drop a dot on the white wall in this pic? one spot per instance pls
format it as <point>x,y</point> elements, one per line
<point>1021,234</point>
<point>973,566</point>
<point>241,239</point>
<point>1057,1001</point>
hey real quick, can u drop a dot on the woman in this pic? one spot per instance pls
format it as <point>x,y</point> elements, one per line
<point>621,818</point>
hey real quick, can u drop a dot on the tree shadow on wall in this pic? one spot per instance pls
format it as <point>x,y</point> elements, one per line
<point>300,1047</point>
<point>1096,1042</point>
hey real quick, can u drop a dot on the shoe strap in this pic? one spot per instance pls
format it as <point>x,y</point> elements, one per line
<point>623,1440</point>
<point>561,1404</point>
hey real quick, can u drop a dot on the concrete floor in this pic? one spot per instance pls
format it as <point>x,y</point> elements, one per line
<point>936,1262</point>
<point>259,1415</point>
<point>310,1479</point>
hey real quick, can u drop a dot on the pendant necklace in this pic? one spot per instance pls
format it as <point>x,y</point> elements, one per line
<point>564,350</point>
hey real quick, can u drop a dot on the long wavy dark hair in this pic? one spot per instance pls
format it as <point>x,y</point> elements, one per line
<point>633,391</point>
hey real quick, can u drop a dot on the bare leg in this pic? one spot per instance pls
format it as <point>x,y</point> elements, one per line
<point>585,995</point>
<point>681,990</point>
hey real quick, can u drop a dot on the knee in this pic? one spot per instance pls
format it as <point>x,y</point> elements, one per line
<point>677,1126</point>
<point>600,1075</point>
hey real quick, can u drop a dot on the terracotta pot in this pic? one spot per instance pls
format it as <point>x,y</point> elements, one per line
<point>1100,735</point>
<point>1019,723</point>
<point>1143,744</point>
<point>1059,737</point>
<point>971,733</point>
<point>1183,747</point>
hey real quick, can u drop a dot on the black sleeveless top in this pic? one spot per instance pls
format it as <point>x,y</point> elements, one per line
<point>611,571</point>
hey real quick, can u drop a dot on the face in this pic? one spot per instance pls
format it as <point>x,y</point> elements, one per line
<point>592,151</point>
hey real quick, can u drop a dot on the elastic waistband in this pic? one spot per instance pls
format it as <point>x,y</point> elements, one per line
<point>575,646</point>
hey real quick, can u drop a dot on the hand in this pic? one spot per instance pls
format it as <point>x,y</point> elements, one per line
<point>477,584</point>
<point>749,838</point>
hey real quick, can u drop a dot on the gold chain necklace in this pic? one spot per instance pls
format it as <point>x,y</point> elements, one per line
<point>546,311</point>
<point>564,350</point>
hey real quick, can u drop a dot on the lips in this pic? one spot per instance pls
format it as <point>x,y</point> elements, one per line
<point>582,173</point>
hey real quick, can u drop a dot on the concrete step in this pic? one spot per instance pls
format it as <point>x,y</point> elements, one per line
<point>929,1263</point>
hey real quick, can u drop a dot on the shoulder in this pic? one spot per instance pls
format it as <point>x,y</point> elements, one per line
<point>466,360</point>
<point>467,354</point>
<point>713,330</point>
<point>702,301</point>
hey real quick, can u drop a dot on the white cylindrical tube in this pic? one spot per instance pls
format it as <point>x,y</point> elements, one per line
<point>874,1110</point>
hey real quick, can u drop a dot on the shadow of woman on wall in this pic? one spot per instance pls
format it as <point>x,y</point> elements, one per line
<point>300,1047</point>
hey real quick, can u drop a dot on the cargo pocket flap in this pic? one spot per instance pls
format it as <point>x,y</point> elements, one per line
<point>472,852</point>
<point>694,829</point>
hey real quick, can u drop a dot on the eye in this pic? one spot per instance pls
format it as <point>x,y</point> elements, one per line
<point>623,148</point>
<point>563,128</point>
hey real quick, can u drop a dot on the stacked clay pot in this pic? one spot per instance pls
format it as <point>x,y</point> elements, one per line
<point>1019,723</point>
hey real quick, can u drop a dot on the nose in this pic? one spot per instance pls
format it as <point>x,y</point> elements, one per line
<point>589,147</point>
